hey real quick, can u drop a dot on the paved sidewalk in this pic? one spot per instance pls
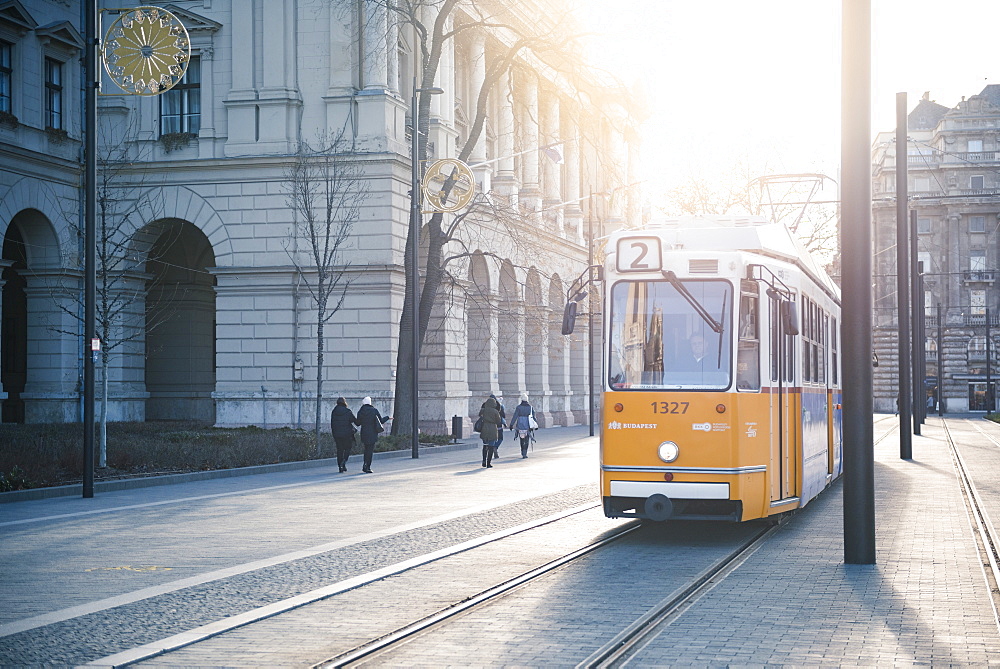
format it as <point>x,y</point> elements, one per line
<point>795,602</point>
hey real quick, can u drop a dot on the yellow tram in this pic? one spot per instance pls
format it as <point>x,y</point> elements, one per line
<point>722,385</point>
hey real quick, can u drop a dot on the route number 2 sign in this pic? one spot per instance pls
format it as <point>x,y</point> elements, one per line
<point>639,254</point>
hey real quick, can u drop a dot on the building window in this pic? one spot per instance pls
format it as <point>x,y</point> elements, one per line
<point>921,185</point>
<point>180,107</point>
<point>6,75</point>
<point>977,260</point>
<point>925,258</point>
<point>978,182</point>
<point>53,94</point>
<point>977,224</point>
<point>977,302</point>
<point>923,225</point>
<point>975,145</point>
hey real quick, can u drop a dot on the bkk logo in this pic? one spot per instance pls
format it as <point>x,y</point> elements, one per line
<point>704,427</point>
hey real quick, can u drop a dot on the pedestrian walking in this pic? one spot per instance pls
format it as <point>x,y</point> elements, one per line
<point>523,420</point>
<point>491,426</point>
<point>503,420</point>
<point>342,425</point>
<point>371,422</point>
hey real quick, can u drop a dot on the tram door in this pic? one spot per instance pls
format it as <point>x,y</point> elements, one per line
<point>784,408</point>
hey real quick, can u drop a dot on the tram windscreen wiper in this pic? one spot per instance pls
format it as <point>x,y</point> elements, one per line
<point>679,286</point>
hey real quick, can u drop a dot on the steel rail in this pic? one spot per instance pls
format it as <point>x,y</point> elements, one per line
<point>387,642</point>
<point>633,637</point>
<point>982,529</point>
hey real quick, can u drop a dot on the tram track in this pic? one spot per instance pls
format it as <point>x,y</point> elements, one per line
<point>987,540</point>
<point>633,638</point>
<point>163,648</point>
<point>385,644</point>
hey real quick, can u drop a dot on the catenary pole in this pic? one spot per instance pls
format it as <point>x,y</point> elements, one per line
<point>919,343</point>
<point>90,83</point>
<point>414,278</point>
<point>919,370</point>
<point>596,298</point>
<point>940,358</point>
<point>859,464</point>
<point>906,392</point>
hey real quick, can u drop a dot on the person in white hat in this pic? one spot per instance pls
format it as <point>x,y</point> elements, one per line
<point>371,422</point>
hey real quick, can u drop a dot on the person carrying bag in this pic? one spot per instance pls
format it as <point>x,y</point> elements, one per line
<point>523,420</point>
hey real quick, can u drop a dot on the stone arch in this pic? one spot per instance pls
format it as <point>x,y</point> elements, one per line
<point>179,322</point>
<point>35,361</point>
<point>479,333</point>
<point>37,200</point>
<point>183,204</point>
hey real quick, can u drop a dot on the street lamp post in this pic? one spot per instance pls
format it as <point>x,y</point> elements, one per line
<point>414,278</point>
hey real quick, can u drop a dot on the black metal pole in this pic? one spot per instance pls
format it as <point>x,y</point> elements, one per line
<point>990,404</point>
<point>906,391</point>
<point>596,298</point>
<point>414,278</point>
<point>920,349</point>
<point>918,376</point>
<point>940,363</point>
<point>856,254</point>
<point>90,83</point>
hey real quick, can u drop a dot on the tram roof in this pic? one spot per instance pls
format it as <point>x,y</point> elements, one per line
<point>743,233</point>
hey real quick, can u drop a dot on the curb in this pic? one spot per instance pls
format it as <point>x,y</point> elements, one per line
<point>170,479</point>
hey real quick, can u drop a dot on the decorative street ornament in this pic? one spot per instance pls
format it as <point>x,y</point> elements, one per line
<point>146,50</point>
<point>448,185</point>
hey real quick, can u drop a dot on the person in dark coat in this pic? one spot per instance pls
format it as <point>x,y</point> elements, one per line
<point>491,425</point>
<point>503,419</point>
<point>342,422</point>
<point>371,422</point>
<point>520,421</point>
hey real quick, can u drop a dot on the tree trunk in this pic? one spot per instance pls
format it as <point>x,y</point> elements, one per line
<point>319,381</point>
<point>103,458</point>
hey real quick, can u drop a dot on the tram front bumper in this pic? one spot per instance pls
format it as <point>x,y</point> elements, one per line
<point>661,500</point>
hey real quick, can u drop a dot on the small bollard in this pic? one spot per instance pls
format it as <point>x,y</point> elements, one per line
<point>456,428</point>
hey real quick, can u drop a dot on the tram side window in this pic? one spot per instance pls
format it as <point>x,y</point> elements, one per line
<point>790,357</point>
<point>775,330</point>
<point>833,347</point>
<point>748,353</point>
<point>806,373</point>
<point>822,346</point>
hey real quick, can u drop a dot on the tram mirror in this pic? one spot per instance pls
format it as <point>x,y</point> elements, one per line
<point>790,317</point>
<point>569,318</point>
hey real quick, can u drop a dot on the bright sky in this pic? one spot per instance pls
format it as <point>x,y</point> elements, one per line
<point>732,81</point>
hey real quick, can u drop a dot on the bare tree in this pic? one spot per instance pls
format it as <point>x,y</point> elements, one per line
<point>435,24</point>
<point>125,204</point>
<point>325,193</point>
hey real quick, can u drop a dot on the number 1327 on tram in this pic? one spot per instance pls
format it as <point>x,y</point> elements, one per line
<point>722,386</point>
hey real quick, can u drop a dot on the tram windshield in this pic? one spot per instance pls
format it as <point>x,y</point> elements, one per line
<point>660,341</point>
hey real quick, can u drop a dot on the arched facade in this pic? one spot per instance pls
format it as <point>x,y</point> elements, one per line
<point>222,326</point>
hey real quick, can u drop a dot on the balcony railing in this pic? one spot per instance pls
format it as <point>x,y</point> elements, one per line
<point>979,276</point>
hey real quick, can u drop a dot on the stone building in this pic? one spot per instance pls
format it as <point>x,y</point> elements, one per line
<point>953,174</point>
<point>208,175</point>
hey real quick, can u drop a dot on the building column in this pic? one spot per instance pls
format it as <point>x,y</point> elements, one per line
<point>573,212</point>
<point>241,102</point>
<point>504,182</point>
<point>375,32</point>
<point>477,78</point>
<point>551,167</point>
<point>4,264</point>
<point>279,100</point>
<point>51,390</point>
<point>530,196</point>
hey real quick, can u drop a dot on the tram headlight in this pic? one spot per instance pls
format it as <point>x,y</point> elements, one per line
<point>668,451</point>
